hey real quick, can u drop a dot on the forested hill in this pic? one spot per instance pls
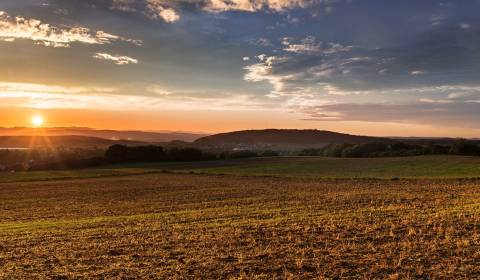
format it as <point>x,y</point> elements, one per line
<point>286,136</point>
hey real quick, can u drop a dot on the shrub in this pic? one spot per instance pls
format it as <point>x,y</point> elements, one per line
<point>184,154</point>
<point>121,153</point>
<point>269,153</point>
<point>465,148</point>
<point>242,154</point>
<point>335,150</point>
<point>365,150</point>
<point>310,152</point>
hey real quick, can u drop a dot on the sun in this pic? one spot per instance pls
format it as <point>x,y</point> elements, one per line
<point>37,121</point>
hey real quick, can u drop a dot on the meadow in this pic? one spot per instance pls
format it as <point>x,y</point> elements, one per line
<point>148,223</point>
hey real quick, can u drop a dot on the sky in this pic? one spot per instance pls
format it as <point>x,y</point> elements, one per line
<point>371,67</point>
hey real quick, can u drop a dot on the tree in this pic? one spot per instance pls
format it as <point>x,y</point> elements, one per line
<point>116,153</point>
<point>465,148</point>
<point>185,154</point>
<point>269,153</point>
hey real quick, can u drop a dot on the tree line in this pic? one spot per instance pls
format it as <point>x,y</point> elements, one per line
<point>121,153</point>
<point>118,154</point>
<point>383,149</point>
<point>83,158</point>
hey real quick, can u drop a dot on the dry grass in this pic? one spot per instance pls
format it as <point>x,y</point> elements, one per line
<point>221,227</point>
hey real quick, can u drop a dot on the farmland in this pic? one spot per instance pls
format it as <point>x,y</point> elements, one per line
<point>158,225</point>
<point>426,167</point>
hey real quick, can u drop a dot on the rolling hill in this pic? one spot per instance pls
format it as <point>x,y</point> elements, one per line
<point>285,137</point>
<point>143,136</point>
<point>60,141</point>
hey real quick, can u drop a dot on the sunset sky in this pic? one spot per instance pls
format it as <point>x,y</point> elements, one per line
<point>376,67</point>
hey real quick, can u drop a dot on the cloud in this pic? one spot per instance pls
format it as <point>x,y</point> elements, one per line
<point>55,96</point>
<point>12,29</point>
<point>42,88</point>
<point>446,113</point>
<point>47,96</point>
<point>255,5</point>
<point>216,100</point>
<point>157,9</point>
<point>301,73</point>
<point>170,10</point>
<point>417,72</point>
<point>442,56</point>
<point>119,60</point>
<point>309,45</point>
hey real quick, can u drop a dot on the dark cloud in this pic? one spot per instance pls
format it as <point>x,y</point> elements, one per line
<point>448,54</point>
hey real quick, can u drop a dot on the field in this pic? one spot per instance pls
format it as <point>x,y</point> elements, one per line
<point>427,167</point>
<point>386,168</point>
<point>142,222</point>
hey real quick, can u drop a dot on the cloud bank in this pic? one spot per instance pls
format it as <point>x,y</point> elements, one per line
<point>170,10</point>
<point>14,28</point>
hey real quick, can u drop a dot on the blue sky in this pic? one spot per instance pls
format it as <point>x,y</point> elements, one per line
<point>409,67</point>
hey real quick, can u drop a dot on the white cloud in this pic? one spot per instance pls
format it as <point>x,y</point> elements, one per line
<point>433,101</point>
<point>119,60</point>
<point>157,9</point>
<point>42,88</point>
<point>12,29</point>
<point>246,58</point>
<point>309,45</point>
<point>169,10</point>
<point>54,96</point>
<point>265,72</point>
<point>169,15</point>
<point>417,72</point>
<point>255,5</point>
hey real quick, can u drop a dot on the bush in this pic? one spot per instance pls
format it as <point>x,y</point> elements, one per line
<point>242,154</point>
<point>436,149</point>
<point>335,150</point>
<point>184,154</point>
<point>122,153</point>
<point>269,153</point>
<point>310,152</point>
<point>465,148</point>
<point>376,149</point>
<point>365,150</point>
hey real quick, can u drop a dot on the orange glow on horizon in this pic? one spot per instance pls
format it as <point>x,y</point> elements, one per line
<point>214,122</point>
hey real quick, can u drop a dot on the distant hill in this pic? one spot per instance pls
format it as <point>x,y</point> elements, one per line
<point>151,137</point>
<point>60,141</point>
<point>284,136</point>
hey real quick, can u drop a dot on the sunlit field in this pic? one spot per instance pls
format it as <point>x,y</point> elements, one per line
<point>177,226</point>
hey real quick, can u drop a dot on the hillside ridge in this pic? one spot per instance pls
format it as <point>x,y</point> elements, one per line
<point>290,136</point>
